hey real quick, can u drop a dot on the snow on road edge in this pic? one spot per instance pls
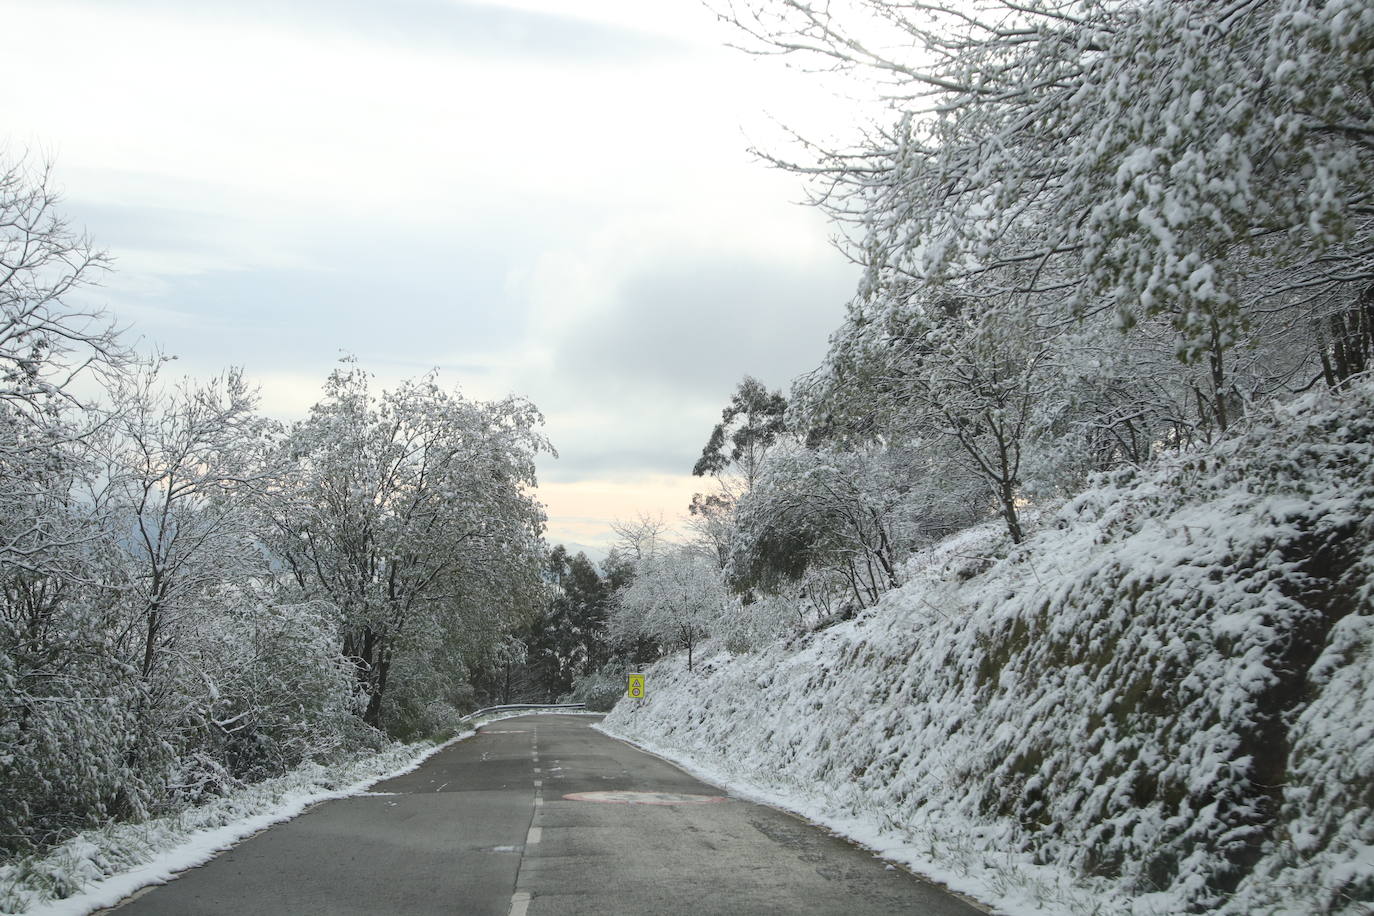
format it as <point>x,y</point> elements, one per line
<point>154,852</point>
<point>866,832</point>
<point>170,847</point>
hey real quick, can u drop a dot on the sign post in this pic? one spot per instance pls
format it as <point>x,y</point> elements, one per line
<point>635,688</point>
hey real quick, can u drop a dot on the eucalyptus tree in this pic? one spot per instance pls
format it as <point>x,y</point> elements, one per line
<point>750,426</point>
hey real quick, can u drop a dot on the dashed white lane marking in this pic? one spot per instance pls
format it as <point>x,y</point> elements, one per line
<point>520,900</point>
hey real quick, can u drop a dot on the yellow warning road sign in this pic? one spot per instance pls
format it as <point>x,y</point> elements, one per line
<point>635,688</point>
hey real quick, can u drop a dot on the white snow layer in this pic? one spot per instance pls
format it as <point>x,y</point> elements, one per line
<point>1162,702</point>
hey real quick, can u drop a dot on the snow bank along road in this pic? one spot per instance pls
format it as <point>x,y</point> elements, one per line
<point>542,815</point>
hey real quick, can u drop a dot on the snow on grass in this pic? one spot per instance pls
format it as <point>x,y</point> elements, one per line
<point>1160,703</point>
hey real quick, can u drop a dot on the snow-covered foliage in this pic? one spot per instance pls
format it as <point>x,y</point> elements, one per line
<point>1158,703</point>
<point>1136,156</point>
<point>193,598</point>
<point>677,599</point>
<point>410,512</point>
<point>837,509</point>
<point>600,689</point>
<point>1092,232</point>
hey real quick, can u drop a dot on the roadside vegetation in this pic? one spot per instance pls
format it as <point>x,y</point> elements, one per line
<point>1065,547</point>
<point>1056,570</point>
<point>1158,702</point>
<point>195,597</point>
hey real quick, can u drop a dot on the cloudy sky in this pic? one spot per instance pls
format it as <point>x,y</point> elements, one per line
<point>547,198</point>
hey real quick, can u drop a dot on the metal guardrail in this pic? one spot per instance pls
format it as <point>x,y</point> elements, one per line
<point>486,709</point>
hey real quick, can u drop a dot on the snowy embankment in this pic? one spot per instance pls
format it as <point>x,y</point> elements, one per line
<point>1162,702</point>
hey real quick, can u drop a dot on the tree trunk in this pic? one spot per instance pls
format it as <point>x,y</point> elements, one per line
<point>1215,357</point>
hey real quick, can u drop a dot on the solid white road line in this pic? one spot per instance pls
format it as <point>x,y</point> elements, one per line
<point>519,903</point>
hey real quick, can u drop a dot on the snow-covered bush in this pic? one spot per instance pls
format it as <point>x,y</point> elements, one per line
<point>749,626</point>
<point>1160,696</point>
<point>601,689</point>
<point>277,691</point>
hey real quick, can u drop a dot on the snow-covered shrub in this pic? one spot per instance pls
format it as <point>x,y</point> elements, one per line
<point>277,692</point>
<point>1161,696</point>
<point>71,739</point>
<point>749,626</point>
<point>601,689</point>
<point>65,763</point>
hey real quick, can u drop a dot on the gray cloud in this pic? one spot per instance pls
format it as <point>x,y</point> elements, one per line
<point>697,325</point>
<point>679,338</point>
<point>633,390</point>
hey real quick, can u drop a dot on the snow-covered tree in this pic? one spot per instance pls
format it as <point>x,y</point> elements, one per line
<point>677,598</point>
<point>1135,159</point>
<point>55,355</point>
<point>907,369</point>
<point>65,705</point>
<point>412,513</point>
<point>181,468</point>
<point>842,511</point>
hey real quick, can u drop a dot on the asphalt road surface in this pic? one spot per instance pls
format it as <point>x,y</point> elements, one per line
<point>542,816</point>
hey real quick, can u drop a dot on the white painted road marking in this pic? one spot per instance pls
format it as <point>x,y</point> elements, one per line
<point>519,903</point>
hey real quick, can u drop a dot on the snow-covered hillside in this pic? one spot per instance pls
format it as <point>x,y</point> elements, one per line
<point>1161,702</point>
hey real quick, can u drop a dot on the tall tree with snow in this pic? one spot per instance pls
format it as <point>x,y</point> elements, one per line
<point>411,513</point>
